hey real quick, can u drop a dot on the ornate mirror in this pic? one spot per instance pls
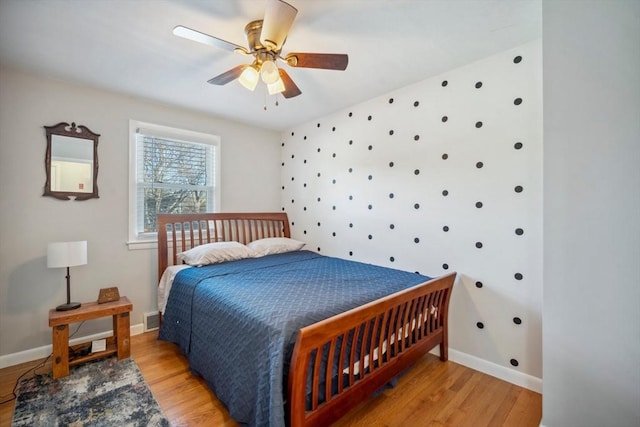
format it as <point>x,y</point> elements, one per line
<point>71,162</point>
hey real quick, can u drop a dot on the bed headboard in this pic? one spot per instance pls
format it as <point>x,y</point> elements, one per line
<point>179,232</point>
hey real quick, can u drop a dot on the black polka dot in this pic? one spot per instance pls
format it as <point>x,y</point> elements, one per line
<point>350,197</point>
<point>370,207</point>
<point>304,161</point>
<point>333,155</point>
<point>479,245</point>
<point>479,285</point>
<point>478,205</point>
<point>416,206</point>
<point>304,185</point>
<point>391,196</point>
<point>350,225</point>
<point>318,124</point>
<point>333,234</point>
<point>445,156</point>
<point>391,132</point>
<point>333,181</point>
<point>416,240</point>
<point>370,147</point>
<point>390,100</point>
<point>518,276</point>
<point>350,253</point>
<point>333,207</point>
<point>305,232</point>
<point>283,142</point>
<point>445,193</point>
<point>445,266</point>
<point>305,137</point>
<point>518,189</point>
<point>519,231</point>
<point>350,114</point>
<point>514,362</point>
<point>517,320</point>
<point>318,198</point>
<point>517,101</point>
<point>480,325</point>
<point>318,174</point>
<point>292,133</point>
<point>444,119</point>
<point>370,237</point>
<point>416,137</point>
<point>318,248</point>
<point>304,208</point>
<point>351,142</point>
<point>350,170</point>
<point>390,164</point>
<point>318,150</point>
<point>478,85</point>
<point>333,129</point>
<point>517,59</point>
<point>517,145</point>
<point>416,103</point>
<point>318,224</point>
<point>445,228</point>
<point>370,177</point>
<point>392,259</point>
<point>478,125</point>
<point>392,226</point>
<point>479,165</point>
<point>444,83</point>
<point>369,118</point>
<point>282,163</point>
<point>416,172</point>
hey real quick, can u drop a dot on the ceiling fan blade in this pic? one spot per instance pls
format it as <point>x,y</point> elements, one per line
<point>290,88</point>
<point>278,18</point>
<point>197,36</point>
<point>326,61</point>
<point>228,76</point>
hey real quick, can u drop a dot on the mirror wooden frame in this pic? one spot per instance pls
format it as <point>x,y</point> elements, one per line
<point>81,132</point>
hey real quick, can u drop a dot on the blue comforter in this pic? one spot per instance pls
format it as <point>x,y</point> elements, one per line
<point>237,321</point>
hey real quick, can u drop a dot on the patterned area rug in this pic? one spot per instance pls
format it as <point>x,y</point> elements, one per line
<point>107,392</point>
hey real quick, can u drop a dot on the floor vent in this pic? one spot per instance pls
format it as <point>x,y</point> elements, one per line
<point>151,321</point>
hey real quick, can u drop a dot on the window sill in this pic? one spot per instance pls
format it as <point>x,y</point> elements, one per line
<point>135,245</point>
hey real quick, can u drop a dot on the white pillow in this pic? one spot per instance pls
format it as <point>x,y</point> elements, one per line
<point>213,253</point>
<point>274,245</point>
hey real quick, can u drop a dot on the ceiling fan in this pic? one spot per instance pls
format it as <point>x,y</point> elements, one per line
<point>265,39</point>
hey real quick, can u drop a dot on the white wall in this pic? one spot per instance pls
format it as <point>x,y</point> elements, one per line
<point>368,184</point>
<point>591,335</point>
<point>28,221</point>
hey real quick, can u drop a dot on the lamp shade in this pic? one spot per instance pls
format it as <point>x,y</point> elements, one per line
<point>66,254</point>
<point>249,77</point>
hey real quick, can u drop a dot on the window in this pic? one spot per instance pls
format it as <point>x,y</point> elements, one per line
<point>171,171</point>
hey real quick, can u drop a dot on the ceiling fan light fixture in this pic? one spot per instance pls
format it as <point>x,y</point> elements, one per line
<point>249,77</point>
<point>276,87</point>
<point>269,72</point>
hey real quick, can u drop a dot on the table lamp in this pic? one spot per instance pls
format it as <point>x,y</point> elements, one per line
<point>67,254</point>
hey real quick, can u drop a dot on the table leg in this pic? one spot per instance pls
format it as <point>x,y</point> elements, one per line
<point>121,332</point>
<point>60,351</point>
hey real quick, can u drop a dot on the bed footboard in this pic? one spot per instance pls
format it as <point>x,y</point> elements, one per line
<point>341,361</point>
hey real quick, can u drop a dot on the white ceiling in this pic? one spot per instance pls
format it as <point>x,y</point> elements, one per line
<point>128,46</point>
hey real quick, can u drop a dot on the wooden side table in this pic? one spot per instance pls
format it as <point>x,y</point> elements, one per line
<point>118,343</point>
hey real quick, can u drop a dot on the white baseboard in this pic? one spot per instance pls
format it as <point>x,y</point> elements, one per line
<point>502,372</point>
<point>42,352</point>
<point>484,366</point>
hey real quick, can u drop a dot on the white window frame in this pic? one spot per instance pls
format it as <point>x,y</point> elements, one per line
<point>150,240</point>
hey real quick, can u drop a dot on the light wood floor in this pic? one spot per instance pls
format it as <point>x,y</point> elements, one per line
<point>432,394</point>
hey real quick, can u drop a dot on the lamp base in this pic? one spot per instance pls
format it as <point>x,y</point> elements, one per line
<point>67,307</point>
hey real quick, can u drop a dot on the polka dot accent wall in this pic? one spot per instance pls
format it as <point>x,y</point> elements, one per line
<point>444,175</point>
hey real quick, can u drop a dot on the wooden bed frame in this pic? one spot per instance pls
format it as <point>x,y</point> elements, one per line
<point>405,325</point>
